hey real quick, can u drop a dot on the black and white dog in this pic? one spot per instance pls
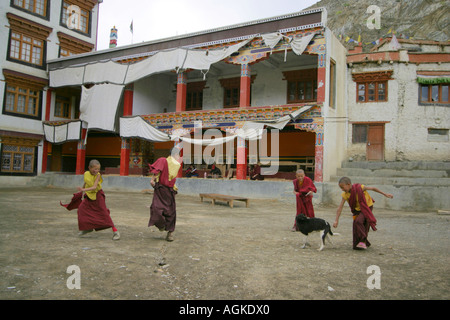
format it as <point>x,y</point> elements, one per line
<point>308,225</point>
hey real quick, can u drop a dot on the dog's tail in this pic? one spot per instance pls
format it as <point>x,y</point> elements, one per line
<point>331,232</point>
<point>329,229</point>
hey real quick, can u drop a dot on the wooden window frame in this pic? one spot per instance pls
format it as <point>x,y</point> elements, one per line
<point>18,152</point>
<point>359,137</point>
<point>333,86</point>
<point>376,78</point>
<point>18,147</point>
<point>60,111</point>
<point>72,45</point>
<point>430,88</point>
<point>376,94</point>
<point>301,78</point>
<point>27,95</point>
<point>23,86</point>
<point>28,54</point>
<point>194,95</point>
<point>22,6</point>
<point>33,31</point>
<point>231,85</point>
<point>86,7</point>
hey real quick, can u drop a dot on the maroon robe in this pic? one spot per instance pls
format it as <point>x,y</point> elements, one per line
<point>304,203</point>
<point>163,212</point>
<point>92,214</point>
<point>255,174</point>
<point>362,220</point>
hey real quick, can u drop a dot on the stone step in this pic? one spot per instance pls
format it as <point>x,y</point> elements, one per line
<point>395,181</point>
<point>399,165</point>
<point>392,173</point>
<point>40,180</point>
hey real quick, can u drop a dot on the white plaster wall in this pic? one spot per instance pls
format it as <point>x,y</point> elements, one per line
<point>269,88</point>
<point>373,111</point>
<point>415,119</point>
<point>18,124</point>
<point>406,130</point>
<point>335,135</point>
<point>212,94</point>
<point>153,94</point>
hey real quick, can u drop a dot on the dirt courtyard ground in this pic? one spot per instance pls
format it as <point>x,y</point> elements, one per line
<point>219,253</point>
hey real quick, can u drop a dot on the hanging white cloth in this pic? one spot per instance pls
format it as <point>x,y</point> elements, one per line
<point>136,127</point>
<point>98,106</point>
<point>71,76</point>
<point>272,39</point>
<point>70,131</point>
<point>110,71</point>
<point>299,45</point>
<point>162,61</point>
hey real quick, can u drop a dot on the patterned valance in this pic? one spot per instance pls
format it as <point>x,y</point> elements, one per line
<point>433,77</point>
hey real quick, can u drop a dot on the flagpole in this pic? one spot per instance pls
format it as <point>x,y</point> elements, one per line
<point>132,33</point>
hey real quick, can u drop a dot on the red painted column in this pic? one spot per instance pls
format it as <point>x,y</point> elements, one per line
<point>244,100</point>
<point>125,157</point>
<point>81,153</point>
<point>319,152</point>
<point>128,100</point>
<point>125,146</point>
<point>48,103</point>
<point>241,155</point>
<point>181,92</point>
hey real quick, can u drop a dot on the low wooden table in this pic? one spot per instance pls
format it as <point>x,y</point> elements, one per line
<point>223,197</point>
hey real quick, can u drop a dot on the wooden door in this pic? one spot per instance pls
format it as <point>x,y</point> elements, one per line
<point>56,158</point>
<point>375,142</point>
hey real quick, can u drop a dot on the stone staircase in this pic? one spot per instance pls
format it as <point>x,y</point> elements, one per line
<point>41,180</point>
<point>396,173</point>
<point>416,185</point>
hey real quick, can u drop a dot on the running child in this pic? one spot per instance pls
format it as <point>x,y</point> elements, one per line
<point>361,205</point>
<point>92,211</point>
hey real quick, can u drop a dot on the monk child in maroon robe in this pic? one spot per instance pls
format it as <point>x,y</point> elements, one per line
<point>163,211</point>
<point>92,211</point>
<point>361,205</point>
<point>303,190</point>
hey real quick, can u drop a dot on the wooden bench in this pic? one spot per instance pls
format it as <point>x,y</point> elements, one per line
<point>223,197</point>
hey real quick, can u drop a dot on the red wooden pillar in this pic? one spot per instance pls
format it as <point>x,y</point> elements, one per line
<point>244,100</point>
<point>321,77</point>
<point>321,89</point>
<point>81,153</point>
<point>48,103</point>
<point>181,92</point>
<point>125,157</point>
<point>128,100</point>
<point>241,155</point>
<point>125,146</point>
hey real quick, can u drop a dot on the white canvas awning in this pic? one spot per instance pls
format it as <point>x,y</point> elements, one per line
<point>117,73</point>
<point>62,132</point>
<point>166,60</point>
<point>136,127</point>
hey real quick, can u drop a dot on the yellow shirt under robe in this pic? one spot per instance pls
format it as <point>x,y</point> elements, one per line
<point>89,181</point>
<point>346,196</point>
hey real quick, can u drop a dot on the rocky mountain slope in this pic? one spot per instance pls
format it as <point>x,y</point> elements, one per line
<point>417,19</point>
